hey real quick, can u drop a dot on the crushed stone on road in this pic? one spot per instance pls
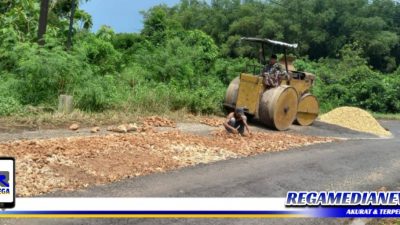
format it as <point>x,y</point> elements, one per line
<point>72,163</point>
<point>213,122</point>
<point>157,121</point>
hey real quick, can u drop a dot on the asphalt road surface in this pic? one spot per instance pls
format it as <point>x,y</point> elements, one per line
<point>363,163</point>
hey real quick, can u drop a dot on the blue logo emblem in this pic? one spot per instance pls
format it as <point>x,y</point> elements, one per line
<point>4,177</point>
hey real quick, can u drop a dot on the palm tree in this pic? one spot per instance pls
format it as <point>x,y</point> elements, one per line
<point>44,10</point>
<point>60,9</point>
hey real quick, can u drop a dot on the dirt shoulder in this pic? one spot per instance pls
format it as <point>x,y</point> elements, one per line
<point>198,126</point>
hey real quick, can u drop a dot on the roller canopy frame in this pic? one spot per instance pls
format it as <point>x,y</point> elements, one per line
<point>269,41</point>
<point>263,41</point>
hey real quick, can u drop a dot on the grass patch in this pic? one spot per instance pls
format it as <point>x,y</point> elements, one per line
<point>51,120</point>
<point>386,116</point>
<point>384,222</point>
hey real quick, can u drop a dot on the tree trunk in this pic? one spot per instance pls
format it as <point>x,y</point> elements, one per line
<point>44,9</point>
<point>71,24</point>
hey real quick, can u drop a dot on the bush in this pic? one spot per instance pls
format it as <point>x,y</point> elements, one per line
<point>41,74</point>
<point>153,97</point>
<point>99,53</point>
<point>350,82</point>
<point>208,98</point>
<point>9,85</point>
<point>365,89</point>
<point>9,106</point>
<point>391,98</point>
<point>227,69</point>
<point>100,93</point>
<point>159,98</point>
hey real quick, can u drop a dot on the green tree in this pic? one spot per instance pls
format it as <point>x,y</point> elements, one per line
<point>155,25</point>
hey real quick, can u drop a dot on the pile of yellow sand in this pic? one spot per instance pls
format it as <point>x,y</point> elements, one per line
<point>355,119</point>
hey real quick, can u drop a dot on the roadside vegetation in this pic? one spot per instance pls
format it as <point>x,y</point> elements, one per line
<point>186,55</point>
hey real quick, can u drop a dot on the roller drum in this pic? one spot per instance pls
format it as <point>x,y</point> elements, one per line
<point>278,107</point>
<point>308,110</point>
<point>232,92</point>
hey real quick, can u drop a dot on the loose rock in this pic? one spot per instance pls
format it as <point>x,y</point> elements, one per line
<point>95,130</point>
<point>121,129</point>
<point>131,127</point>
<point>74,126</point>
<point>156,121</point>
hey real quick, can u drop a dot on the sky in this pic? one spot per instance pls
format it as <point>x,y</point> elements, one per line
<point>121,15</point>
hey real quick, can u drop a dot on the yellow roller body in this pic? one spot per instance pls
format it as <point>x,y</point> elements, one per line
<point>308,110</point>
<point>250,89</point>
<point>278,107</point>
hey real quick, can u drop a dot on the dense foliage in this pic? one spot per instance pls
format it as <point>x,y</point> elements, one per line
<point>321,27</point>
<point>187,54</point>
<point>350,81</point>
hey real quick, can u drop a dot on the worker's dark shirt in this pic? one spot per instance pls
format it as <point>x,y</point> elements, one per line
<point>272,69</point>
<point>238,124</point>
<point>273,74</point>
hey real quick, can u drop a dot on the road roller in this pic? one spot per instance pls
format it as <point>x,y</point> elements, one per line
<point>278,106</point>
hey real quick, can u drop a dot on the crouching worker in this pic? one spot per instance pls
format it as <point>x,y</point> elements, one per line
<point>236,122</point>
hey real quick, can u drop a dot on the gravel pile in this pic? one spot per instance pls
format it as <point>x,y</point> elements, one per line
<point>355,119</point>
